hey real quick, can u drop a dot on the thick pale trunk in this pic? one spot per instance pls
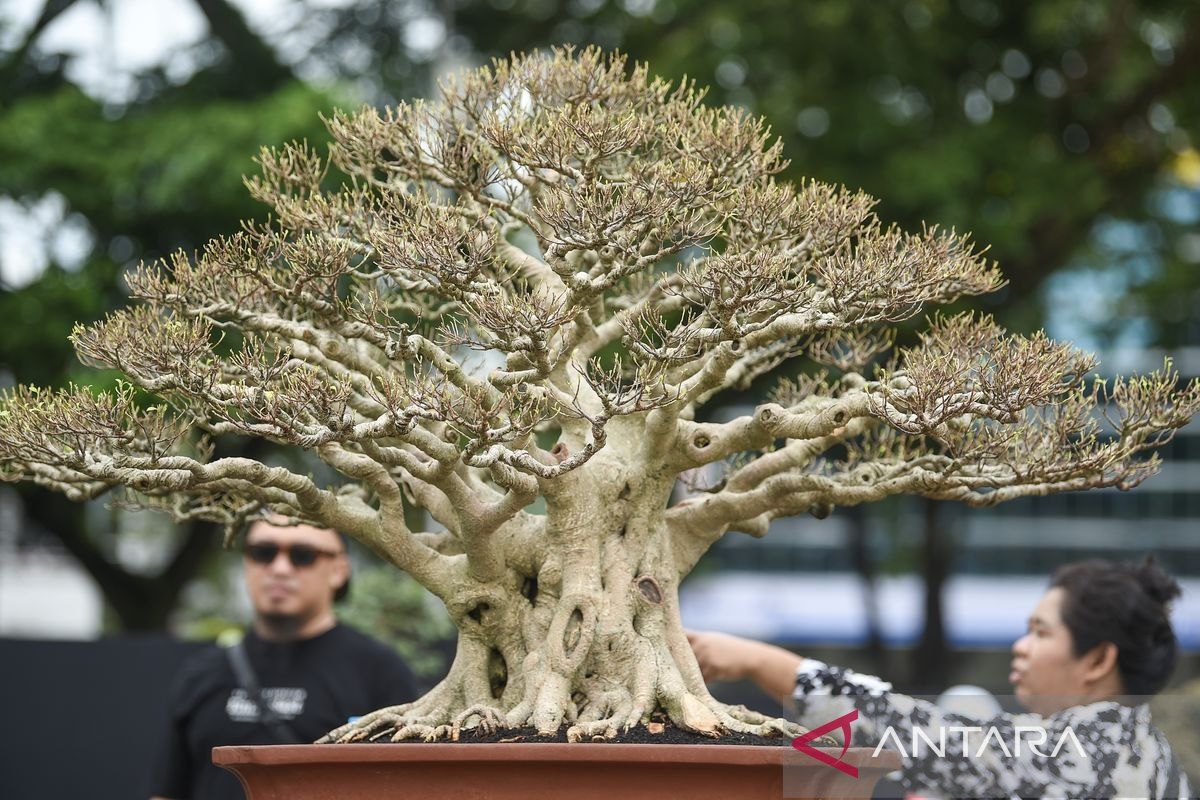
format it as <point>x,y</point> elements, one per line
<point>587,633</point>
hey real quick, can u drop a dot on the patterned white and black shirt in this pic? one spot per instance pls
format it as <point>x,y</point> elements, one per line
<point>1110,751</point>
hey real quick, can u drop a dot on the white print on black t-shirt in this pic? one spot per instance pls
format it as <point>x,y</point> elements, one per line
<point>287,703</point>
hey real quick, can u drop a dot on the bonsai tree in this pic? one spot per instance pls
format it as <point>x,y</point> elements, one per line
<point>511,312</point>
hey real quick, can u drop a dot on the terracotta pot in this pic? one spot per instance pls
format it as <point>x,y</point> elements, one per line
<point>550,771</point>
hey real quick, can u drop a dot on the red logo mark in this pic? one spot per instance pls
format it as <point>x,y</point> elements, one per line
<point>801,743</point>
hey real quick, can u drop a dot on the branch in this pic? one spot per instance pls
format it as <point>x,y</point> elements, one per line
<point>385,531</point>
<point>974,449</point>
<point>815,421</point>
<point>795,455</point>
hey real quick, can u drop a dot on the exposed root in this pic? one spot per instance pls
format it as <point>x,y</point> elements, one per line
<point>368,726</point>
<point>422,717</point>
<point>746,715</point>
<point>428,733</point>
<point>637,714</point>
<point>488,720</point>
<point>702,715</point>
<point>742,720</point>
<point>430,719</point>
<point>599,730</point>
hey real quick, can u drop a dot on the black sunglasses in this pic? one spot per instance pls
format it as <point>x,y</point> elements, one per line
<point>301,555</point>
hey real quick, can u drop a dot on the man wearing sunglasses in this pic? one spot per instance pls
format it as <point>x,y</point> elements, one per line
<point>311,672</point>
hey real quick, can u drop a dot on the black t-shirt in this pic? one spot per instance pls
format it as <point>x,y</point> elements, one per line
<point>314,684</point>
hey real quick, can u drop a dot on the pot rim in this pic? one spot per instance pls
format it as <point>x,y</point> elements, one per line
<point>282,754</point>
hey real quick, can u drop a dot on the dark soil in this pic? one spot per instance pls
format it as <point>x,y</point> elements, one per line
<point>639,735</point>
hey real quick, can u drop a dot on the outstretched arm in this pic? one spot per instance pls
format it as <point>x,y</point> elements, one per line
<point>730,658</point>
<point>1084,751</point>
<point>948,753</point>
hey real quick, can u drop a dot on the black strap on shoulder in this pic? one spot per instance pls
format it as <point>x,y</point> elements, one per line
<point>248,680</point>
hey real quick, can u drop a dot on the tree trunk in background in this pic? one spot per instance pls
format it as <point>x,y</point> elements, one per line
<point>253,64</point>
<point>864,566</point>
<point>931,659</point>
<point>141,603</point>
<point>10,68</point>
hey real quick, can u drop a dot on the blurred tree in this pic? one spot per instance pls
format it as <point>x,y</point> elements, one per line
<point>161,173</point>
<point>1022,122</point>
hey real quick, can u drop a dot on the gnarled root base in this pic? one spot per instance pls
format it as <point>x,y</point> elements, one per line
<point>589,641</point>
<point>594,722</point>
<point>596,681</point>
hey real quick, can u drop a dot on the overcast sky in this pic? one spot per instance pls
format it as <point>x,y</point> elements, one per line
<point>109,44</point>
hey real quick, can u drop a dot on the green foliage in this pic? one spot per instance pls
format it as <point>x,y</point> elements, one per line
<point>162,175</point>
<point>148,182</point>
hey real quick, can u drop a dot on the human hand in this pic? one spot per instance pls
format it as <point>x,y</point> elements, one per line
<point>723,657</point>
<point>729,658</point>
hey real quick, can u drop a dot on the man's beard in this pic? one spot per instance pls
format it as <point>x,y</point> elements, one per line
<point>282,626</point>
